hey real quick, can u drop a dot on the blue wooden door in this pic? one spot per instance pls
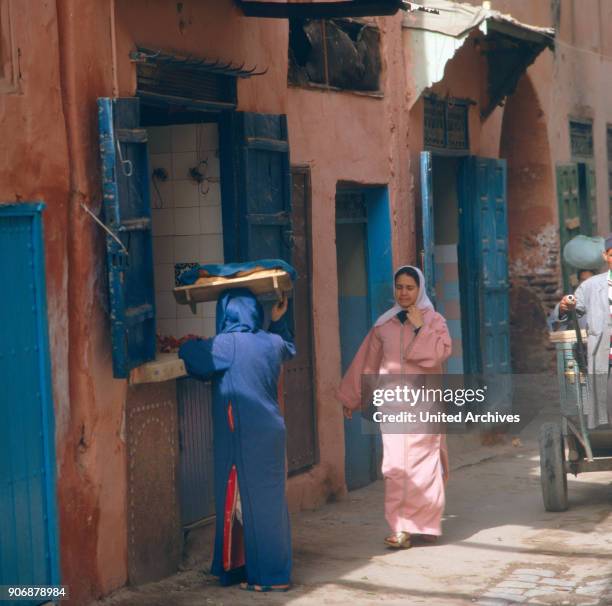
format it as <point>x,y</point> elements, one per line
<point>493,238</point>
<point>483,250</point>
<point>365,290</point>
<point>427,214</point>
<point>28,518</point>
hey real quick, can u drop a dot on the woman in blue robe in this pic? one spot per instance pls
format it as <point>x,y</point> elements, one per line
<point>252,539</point>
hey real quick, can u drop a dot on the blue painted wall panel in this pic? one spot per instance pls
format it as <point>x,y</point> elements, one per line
<point>451,291</point>
<point>427,210</point>
<point>454,328</point>
<point>354,326</point>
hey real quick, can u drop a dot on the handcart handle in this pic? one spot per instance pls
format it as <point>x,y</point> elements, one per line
<point>581,359</point>
<point>580,354</point>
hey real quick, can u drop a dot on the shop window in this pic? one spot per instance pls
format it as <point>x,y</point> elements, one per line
<point>8,55</point>
<point>252,176</point>
<point>334,53</point>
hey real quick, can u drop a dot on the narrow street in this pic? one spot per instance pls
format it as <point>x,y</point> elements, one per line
<point>499,546</point>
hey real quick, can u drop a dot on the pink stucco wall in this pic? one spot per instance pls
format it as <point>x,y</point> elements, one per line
<point>576,81</point>
<point>210,29</point>
<point>340,136</point>
<point>49,151</point>
<point>93,468</point>
<point>517,132</point>
<point>361,139</point>
<point>531,132</point>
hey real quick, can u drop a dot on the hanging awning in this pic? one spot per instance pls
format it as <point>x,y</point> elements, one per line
<point>197,64</point>
<point>165,78</point>
<point>509,45</point>
<point>317,9</point>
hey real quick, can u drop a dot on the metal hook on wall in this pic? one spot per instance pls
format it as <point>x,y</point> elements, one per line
<point>200,177</point>
<point>202,190</point>
<point>125,164</point>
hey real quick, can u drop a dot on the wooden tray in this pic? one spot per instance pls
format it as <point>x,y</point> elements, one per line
<point>567,336</point>
<point>262,282</point>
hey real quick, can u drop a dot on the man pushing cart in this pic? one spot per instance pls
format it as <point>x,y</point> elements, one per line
<point>583,441</point>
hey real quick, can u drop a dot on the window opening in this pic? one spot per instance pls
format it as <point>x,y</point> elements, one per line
<point>334,53</point>
<point>9,72</point>
<point>581,138</point>
<point>445,123</point>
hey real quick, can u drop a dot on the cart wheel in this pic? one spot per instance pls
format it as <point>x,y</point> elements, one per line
<point>552,468</point>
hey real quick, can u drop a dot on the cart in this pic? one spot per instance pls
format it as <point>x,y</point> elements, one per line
<point>570,446</point>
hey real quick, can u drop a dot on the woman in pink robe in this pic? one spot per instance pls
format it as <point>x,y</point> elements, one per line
<point>411,338</point>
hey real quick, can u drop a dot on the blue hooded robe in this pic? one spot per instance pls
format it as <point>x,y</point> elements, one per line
<point>244,363</point>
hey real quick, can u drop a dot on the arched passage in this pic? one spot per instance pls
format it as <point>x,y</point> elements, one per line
<point>533,235</point>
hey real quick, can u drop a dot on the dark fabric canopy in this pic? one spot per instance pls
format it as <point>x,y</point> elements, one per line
<point>509,45</point>
<point>319,10</point>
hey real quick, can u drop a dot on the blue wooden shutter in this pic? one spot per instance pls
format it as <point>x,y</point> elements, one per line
<point>127,211</point>
<point>428,224</point>
<point>263,187</point>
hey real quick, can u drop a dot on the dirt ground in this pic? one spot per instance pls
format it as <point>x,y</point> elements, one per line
<point>499,545</point>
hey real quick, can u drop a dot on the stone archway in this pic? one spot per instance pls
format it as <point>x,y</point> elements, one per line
<point>532,225</point>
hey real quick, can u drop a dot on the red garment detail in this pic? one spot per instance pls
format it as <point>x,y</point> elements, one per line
<point>233,537</point>
<point>237,558</point>
<point>230,416</point>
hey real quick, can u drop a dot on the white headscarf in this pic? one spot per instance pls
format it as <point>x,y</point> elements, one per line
<point>422,301</point>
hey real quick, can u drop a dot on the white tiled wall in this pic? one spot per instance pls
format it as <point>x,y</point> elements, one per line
<point>187,226</point>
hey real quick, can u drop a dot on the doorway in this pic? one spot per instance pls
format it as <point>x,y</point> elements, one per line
<point>465,252</point>
<point>298,373</point>
<point>221,192</point>
<point>354,318</point>
<point>185,190</point>
<point>446,261</point>
<point>365,291</point>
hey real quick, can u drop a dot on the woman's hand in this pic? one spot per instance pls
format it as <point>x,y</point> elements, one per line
<point>348,413</point>
<point>279,309</point>
<point>415,316</point>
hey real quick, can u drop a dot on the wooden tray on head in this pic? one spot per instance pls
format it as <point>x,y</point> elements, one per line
<point>261,282</point>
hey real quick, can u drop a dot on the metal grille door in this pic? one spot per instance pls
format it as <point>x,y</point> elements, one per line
<point>196,450</point>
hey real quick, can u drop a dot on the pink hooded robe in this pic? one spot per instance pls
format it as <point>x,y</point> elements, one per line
<point>412,463</point>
